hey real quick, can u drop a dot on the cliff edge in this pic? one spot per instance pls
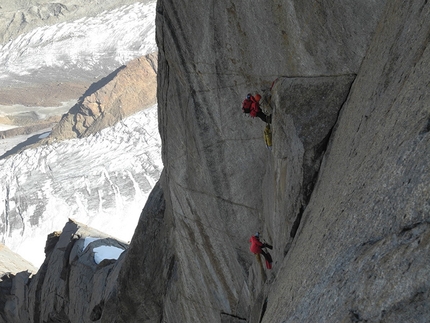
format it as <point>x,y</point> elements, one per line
<point>341,195</point>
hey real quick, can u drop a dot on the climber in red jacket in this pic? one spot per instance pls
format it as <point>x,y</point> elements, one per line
<point>257,248</point>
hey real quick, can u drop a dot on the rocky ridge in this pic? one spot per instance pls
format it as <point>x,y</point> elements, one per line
<point>129,89</point>
<point>72,267</point>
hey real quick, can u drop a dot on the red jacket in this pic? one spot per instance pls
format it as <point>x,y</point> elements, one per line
<point>246,105</point>
<point>256,245</point>
<point>255,106</point>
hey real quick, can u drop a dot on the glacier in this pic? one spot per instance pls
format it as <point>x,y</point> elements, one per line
<point>102,181</point>
<point>88,48</point>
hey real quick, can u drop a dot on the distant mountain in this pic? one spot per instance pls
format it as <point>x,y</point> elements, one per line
<point>52,52</point>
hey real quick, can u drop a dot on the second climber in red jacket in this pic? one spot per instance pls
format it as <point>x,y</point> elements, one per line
<point>257,248</point>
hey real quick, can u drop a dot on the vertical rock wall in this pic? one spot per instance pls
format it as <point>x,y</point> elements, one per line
<point>220,182</point>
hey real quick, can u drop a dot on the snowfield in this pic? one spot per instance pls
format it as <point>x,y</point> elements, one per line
<point>102,181</point>
<point>83,48</point>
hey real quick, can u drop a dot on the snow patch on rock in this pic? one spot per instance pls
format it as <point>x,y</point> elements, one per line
<point>106,252</point>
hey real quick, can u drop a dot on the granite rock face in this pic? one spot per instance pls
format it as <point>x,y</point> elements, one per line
<point>361,252</point>
<point>149,266</point>
<point>338,230</point>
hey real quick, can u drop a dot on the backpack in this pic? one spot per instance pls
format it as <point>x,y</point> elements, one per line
<point>246,106</point>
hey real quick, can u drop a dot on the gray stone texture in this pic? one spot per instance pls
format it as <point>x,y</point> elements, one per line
<point>149,268</point>
<point>361,253</point>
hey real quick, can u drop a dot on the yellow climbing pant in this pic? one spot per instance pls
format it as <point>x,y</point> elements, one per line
<point>268,136</point>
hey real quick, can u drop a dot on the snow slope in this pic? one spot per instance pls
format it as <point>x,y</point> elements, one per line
<point>102,181</point>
